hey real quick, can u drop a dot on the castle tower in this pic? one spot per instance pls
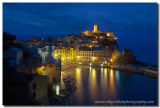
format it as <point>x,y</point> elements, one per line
<point>95,28</point>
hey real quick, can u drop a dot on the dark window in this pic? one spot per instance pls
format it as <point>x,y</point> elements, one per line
<point>50,66</point>
<point>34,94</point>
<point>34,61</point>
<point>34,86</point>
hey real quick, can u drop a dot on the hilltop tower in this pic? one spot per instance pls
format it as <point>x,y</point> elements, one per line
<point>95,30</point>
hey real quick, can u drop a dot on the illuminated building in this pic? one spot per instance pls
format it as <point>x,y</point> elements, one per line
<point>88,33</point>
<point>96,56</point>
<point>95,27</point>
<point>96,46</point>
<point>69,54</point>
<point>95,30</point>
<point>89,44</point>
<point>99,34</point>
<point>51,66</point>
<point>46,50</point>
<point>110,34</point>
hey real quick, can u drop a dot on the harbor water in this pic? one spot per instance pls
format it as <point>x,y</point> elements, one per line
<point>100,84</point>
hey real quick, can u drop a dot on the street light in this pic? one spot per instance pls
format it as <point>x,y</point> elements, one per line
<point>42,67</point>
<point>93,58</point>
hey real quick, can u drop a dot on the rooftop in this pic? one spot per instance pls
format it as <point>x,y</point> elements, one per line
<point>57,62</point>
<point>15,49</point>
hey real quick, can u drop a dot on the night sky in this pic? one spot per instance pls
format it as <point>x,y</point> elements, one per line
<point>135,25</point>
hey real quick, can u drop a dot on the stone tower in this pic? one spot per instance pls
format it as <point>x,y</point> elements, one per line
<point>95,28</point>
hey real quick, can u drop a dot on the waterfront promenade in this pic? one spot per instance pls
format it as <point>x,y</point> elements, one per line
<point>139,70</point>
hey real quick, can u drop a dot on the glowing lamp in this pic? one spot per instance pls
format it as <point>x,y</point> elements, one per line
<point>93,58</point>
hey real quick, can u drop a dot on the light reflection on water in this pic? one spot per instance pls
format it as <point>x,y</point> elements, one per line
<point>79,84</point>
<point>98,83</point>
<point>93,84</point>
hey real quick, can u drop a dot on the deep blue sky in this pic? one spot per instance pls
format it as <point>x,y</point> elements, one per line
<point>135,25</point>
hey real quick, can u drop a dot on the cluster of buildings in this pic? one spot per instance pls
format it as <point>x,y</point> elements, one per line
<point>87,47</point>
<point>31,75</point>
<point>37,63</point>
